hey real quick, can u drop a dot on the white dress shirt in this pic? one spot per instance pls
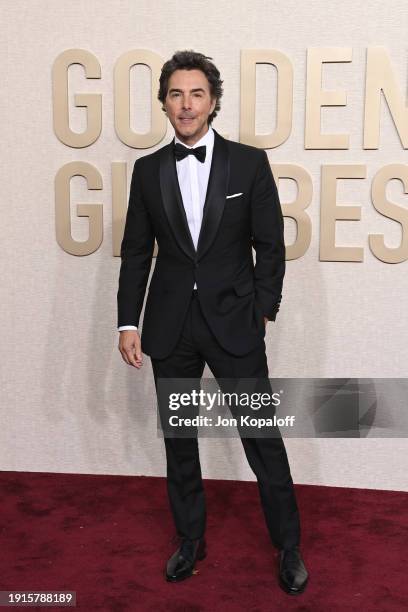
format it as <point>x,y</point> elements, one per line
<point>193,180</point>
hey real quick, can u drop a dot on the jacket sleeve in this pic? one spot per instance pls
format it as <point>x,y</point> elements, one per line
<point>136,254</point>
<point>267,239</point>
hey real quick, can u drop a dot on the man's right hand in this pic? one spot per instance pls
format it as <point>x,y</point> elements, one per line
<point>130,348</point>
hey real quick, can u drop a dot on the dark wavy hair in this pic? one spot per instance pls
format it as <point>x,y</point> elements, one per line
<point>192,60</point>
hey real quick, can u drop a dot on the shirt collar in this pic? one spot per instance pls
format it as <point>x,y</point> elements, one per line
<point>207,139</point>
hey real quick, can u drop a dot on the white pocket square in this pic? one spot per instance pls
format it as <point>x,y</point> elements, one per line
<point>234,195</point>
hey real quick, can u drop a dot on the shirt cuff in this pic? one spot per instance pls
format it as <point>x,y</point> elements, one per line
<point>123,327</point>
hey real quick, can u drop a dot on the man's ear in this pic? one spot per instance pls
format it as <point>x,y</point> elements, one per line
<point>213,104</point>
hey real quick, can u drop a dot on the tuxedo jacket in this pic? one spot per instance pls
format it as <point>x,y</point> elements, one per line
<point>234,293</point>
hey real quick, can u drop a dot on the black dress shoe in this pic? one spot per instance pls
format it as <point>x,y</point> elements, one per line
<point>181,563</point>
<point>293,575</point>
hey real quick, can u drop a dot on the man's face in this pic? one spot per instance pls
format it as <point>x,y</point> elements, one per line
<point>188,104</point>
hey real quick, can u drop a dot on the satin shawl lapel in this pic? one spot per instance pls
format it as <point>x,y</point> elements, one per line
<point>173,201</point>
<point>214,201</point>
<point>216,194</point>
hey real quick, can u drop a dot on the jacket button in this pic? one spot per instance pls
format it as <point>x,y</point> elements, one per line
<point>196,264</point>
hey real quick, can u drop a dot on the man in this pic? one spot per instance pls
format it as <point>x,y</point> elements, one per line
<point>207,201</point>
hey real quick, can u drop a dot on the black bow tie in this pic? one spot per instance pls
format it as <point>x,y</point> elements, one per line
<point>181,152</point>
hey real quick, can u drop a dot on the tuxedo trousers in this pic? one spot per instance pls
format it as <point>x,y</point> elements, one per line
<point>266,456</point>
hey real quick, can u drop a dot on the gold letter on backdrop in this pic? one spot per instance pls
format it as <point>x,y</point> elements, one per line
<point>62,209</point>
<point>380,77</point>
<point>390,210</point>
<point>158,122</point>
<point>119,205</point>
<point>296,210</point>
<point>316,97</point>
<point>91,101</point>
<point>249,60</point>
<point>330,213</point>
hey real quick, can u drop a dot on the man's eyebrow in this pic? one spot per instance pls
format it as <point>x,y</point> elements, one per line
<point>192,90</point>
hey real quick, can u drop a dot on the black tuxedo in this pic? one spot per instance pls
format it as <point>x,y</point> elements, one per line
<point>234,295</point>
<point>221,323</point>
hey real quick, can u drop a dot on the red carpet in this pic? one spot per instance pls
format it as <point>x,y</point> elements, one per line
<point>108,537</point>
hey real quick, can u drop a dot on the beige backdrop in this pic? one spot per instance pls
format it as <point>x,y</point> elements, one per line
<point>69,403</point>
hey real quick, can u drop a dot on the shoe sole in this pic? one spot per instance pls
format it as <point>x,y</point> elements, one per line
<point>199,557</point>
